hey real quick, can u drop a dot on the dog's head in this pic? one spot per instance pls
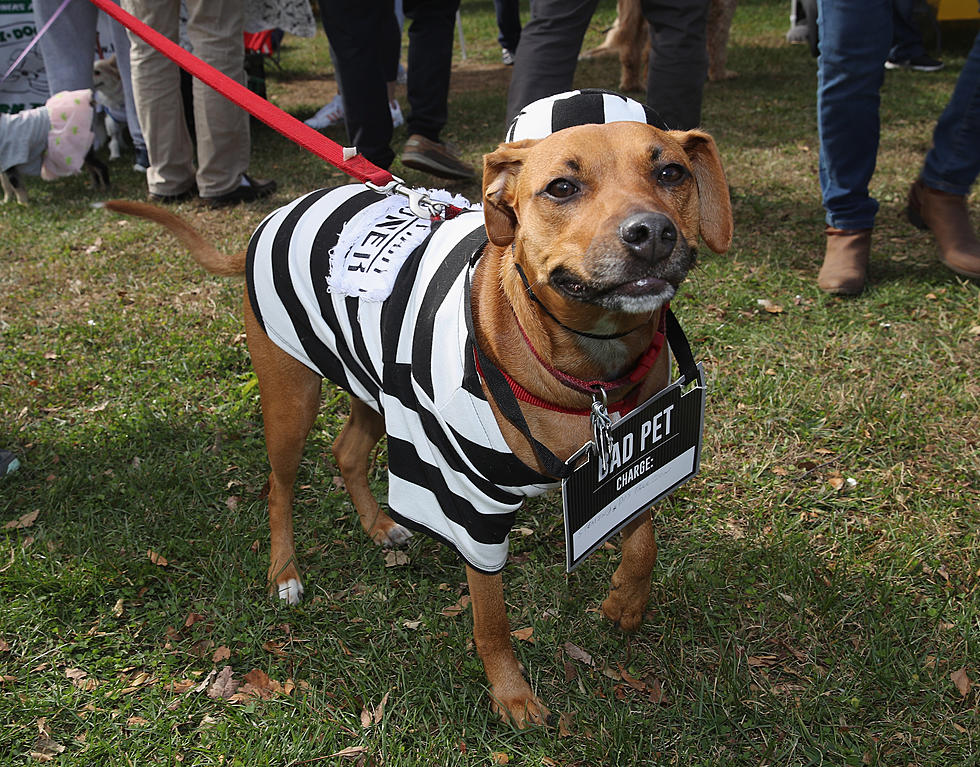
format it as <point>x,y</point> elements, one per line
<point>608,215</point>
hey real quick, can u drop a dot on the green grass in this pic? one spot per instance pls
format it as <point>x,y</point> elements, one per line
<point>796,618</point>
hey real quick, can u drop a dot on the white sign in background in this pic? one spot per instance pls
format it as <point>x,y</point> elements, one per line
<point>27,86</point>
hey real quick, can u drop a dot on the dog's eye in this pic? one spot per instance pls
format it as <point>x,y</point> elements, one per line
<point>672,174</point>
<point>561,188</point>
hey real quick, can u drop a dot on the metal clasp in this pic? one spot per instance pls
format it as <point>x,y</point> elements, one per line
<point>601,425</point>
<point>419,202</point>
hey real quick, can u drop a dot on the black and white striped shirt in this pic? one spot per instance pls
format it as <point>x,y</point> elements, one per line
<point>409,357</point>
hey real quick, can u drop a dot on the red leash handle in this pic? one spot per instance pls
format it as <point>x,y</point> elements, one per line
<point>295,130</point>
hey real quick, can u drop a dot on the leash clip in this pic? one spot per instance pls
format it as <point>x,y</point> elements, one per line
<point>601,425</point>
<point>419,202</point>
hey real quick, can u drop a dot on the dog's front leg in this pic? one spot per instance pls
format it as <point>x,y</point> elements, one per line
<point>631,582</point>
<point>512,696</point>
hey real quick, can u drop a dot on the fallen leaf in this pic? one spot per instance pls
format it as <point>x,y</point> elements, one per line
<point>962,682</point>
<point>456,609</point>
<point>396,558</point>
<point>836,481</point>
<point>45,748</point>
<point>117,609</point>
<point>577,653</point>
<point>137,721</point>
<point>762,661</point>
<point>4,646</point>
<point>349,753</point>
<point>412,624</point>
<point>769,306</point>
<point>192,618</point>
<point>499,757</point>
<point>24,521</point>
<point>156,558</point>
<point>274,647</point>
<point>524,635</point>
<point>656,694</point>
<point>221,654</point>
<point>565,725</point>
<point>636,684</point>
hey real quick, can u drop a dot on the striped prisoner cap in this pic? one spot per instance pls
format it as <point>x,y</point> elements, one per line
<point>583,107</point>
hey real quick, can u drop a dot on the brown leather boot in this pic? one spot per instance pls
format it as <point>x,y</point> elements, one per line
<point>845,265</point>
<point>947,217</point>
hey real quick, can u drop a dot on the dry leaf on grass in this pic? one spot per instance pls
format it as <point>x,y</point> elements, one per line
<point>524,635</point>
<point>371,715</point>
<point>45,747</point>
<point>222,653</point>
<point>23,521</point>
<point>577,653</point>
<point>224,686</point>
<point>499,757</point>
<point>456,609</point>
<point>962,682</point>
<point>396,558</point>
<point>156,558</point>
<point>349,753</point>
<point>770,306</point>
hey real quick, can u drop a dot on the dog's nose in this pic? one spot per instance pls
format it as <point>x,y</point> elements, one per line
<point>651,236</point>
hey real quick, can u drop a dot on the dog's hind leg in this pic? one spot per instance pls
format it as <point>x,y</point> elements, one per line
<point>352,451</point>
<point>631,582</point>
<point>290,394</point>
<point>512,696</point>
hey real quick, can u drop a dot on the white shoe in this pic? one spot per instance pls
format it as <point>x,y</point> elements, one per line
<point>329,114</point>
<point>397,118</point>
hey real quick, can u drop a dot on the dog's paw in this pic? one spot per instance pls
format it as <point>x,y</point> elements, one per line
<point>393,536</point>
<point>290,591</point>
<point>521,709</point>
<point>623,611</point>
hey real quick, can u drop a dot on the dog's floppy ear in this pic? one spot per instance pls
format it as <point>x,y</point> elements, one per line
<point>500,170</point>
<point>715,206</point>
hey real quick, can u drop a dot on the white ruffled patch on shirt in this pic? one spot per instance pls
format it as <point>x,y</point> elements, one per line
<point>377,241</point>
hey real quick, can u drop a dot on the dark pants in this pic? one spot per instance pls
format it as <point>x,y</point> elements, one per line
<point>365,39</point>
<point>551,40</point>
<point>508,23</point>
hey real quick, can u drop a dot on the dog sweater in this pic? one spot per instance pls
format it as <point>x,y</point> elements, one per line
<point>409,357</point>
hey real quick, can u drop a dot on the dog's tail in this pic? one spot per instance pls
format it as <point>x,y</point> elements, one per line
<point>222,264</point>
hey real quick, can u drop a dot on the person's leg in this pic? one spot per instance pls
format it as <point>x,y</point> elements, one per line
<point>953,163</point>
<point>351,27</point>
<point>508,23</point>
<point>548,53</point>
<point>850,71</point>
<point>678,64</point>
<point>215,29</point>
<point>68,47</point>
<point>159,108</point>
<point>937,201</point>
<point>430,61</point>
<point>906,35</point>
<point>120,41</point>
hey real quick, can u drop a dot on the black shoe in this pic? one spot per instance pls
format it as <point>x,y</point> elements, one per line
<point>923,63</point>
<point>169,199</point>
<point>249,190</point>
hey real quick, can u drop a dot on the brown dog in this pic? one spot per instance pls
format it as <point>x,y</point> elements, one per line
<point>629,37</point>
<point>604,221</point>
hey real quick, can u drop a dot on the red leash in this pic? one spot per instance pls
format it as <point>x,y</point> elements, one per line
<point>295,130</point>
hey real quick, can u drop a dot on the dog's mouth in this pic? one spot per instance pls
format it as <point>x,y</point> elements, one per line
<point>643,293</point>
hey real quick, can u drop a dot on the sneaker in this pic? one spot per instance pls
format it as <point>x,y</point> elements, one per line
<point>435,157</point>
<point>397,118</point>
<point>8,463</point>
<point>329,114</point>
<point>168,199</point>
<point>142,161</point>
<point>507,55</point>
<point>923,63</point>
<point>249,190</point>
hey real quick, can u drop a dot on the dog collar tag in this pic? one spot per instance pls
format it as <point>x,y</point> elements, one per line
<point>648,454</point>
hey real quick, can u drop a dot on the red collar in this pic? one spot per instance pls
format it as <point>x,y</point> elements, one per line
<point>582,386</point>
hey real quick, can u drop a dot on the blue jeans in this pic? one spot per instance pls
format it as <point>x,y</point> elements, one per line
<point>907,40</point>
<point>854,42</point>
<point>953,163</point>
